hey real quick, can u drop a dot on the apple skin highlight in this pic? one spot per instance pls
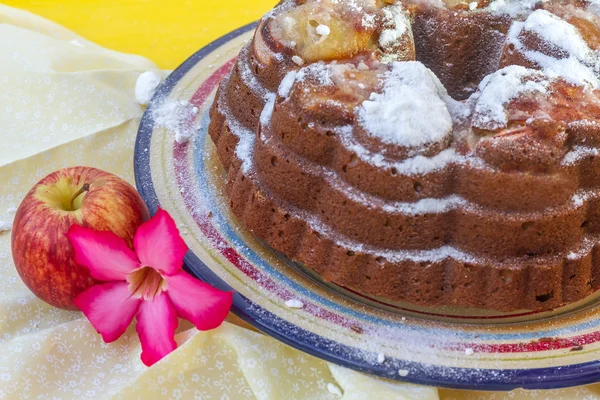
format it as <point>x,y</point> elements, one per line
<point>41,251</point>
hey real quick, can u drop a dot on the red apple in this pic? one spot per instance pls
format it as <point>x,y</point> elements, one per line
<point>80,195</point>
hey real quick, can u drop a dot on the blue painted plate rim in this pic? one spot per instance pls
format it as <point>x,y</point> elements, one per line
<point>310,343</point>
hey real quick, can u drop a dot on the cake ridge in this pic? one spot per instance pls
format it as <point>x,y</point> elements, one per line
<point>576,267</point>
<point>424,205</point>
<point>317,225</point>
<point>447,203</point>
<point>416,165</point>
<point>243,148</point>
<point>247,75</point>
<point>579,152</point>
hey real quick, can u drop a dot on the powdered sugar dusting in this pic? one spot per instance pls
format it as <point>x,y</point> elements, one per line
<point>513,8</point>
<point>319,71</point>
<point>558,32</point>
<point>581,65</point>
<point>594,7</point>
<point>570,69</point>
<point>146,86</point>
<point>245,147</point>
<point>176,116</point>
<point>286,84</point>
<point>248,76</point>
<point>499,88</point>
<point>294,303</point>
<point>421,165</point>
<point>7,220</point>
<point>581,197</point>
<point>426,206</point>
<point>398,23</point>
<point>433,205</point>
<point>432,255</point>
<point>584,250</point>
<point>515,30</point>
<point>579,153</point>
<point>5,226</point>
<point>267,112</point>
<point>368,21</point>
<point>413,166</point>
<point>246,137</point>
<point>396,115</point>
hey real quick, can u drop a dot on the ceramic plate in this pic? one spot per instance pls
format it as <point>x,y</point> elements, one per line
<point>457,348</point>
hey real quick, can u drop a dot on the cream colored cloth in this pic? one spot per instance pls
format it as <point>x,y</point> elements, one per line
<point>63,102</point>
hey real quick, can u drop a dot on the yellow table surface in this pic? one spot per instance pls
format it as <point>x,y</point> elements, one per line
<point>47,353</point>
<point>165,31</point>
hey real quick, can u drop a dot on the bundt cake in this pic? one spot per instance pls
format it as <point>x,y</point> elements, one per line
<point>435,152</point>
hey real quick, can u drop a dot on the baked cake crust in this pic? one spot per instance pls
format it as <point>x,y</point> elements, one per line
<point>478,208</point>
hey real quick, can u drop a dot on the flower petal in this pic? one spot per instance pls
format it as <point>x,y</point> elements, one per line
<point>156,324</point>
<point>109,308</point>
<point>203,305</point>
<point>159,245</point>
<point>106,255</point>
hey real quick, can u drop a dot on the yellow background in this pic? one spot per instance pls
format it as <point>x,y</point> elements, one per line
<point>165,31</point>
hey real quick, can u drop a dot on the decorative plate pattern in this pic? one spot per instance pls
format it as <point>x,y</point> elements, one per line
<point>458,348</point>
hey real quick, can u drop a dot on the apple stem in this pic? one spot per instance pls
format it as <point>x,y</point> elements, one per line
<point>84,188</point>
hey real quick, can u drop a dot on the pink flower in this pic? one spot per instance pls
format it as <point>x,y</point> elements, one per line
<point>148,284</point>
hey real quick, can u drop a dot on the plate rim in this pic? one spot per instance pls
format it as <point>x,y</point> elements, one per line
<point>303,340</point>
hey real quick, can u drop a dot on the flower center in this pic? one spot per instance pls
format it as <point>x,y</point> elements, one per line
<point>146,283</point>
